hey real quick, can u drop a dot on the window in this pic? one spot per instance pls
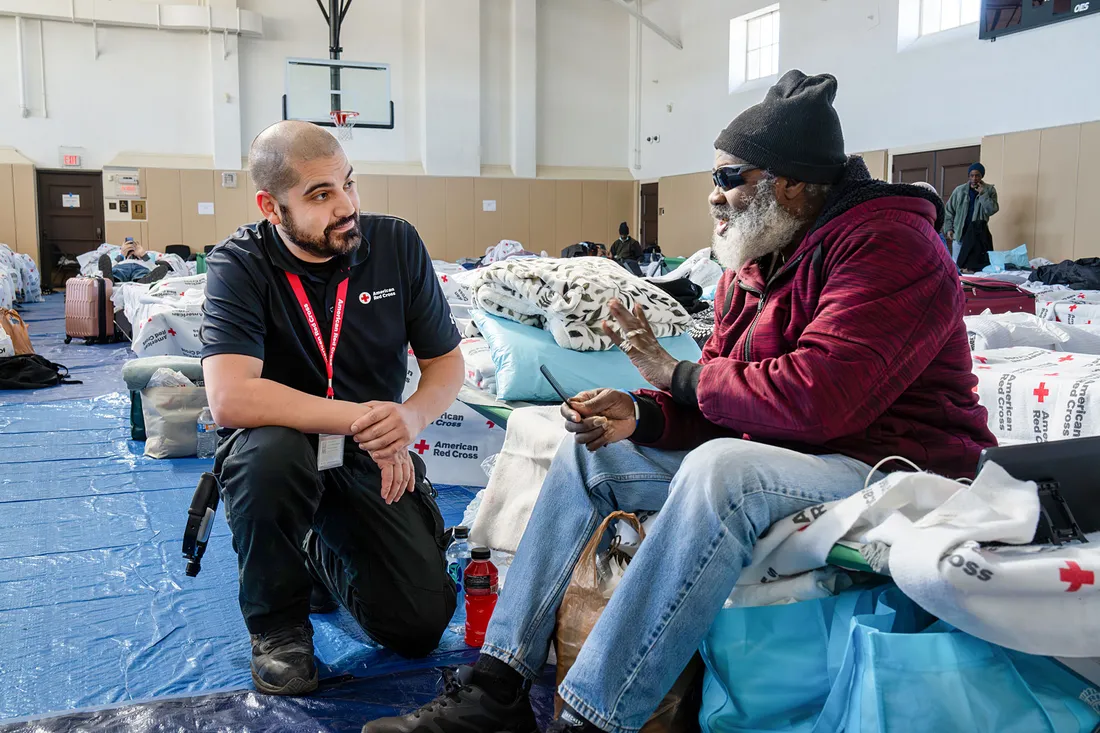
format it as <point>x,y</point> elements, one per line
<point>762,46</point>
<point>943,15</point>
<point>754,46</point>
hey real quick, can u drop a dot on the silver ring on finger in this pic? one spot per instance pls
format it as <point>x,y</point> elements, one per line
<point>627,346</point>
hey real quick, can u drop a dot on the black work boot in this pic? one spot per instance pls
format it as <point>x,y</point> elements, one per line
<point>157,273</point>
<point>105,268</point>
<point>463,708</point>
<point>282,661</point>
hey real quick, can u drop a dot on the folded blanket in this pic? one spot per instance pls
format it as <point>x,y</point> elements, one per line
<point>570,297</point>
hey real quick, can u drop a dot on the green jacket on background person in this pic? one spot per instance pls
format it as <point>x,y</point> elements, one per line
<point>985,206</point>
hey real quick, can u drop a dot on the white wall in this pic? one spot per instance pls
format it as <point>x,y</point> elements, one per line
<point>943,89</point>
<point>132,98</point>
<point>151,92</point>
<point>583,83</point>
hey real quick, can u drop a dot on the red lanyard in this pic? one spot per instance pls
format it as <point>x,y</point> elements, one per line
<point>311,318</point>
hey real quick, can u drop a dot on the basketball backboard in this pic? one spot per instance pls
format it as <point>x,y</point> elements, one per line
<point>315,88</point>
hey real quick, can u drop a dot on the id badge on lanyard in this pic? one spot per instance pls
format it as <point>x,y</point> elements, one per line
<point>330,448</point>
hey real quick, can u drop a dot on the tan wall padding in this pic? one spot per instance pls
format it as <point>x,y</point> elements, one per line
<point>402,197</point>
<point>620,208</point>
<point>515,210</point>
<point>1086,239</point>
<point>569,228</point>
<point>26,210</point>
<point>117,231</point>
<point>431,215</point>
<point>544,215</point>
<point>685,227</point>
<point>876,161</point>
<point>488,225</point>
<point>163,208</point>
<point>374,195</point>
<point>594,211</point>
<point>460,219</point>
<point>1055,208</point>
<point>7,206</point>
<point>199,230</point>
<point>233,207</point>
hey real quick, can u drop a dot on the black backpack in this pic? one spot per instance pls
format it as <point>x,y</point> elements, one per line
<point>31,371</point>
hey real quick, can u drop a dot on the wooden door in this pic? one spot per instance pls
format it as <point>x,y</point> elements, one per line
<point>952,165</point>
<point>913,168</point>
<point>650,214</point>
<point>70,214</point>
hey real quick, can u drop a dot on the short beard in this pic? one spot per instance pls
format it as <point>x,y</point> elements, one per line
<point>762,228</point>
<point>330,244</point>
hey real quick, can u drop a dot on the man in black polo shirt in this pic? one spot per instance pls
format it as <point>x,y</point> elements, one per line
<point>319,301</point>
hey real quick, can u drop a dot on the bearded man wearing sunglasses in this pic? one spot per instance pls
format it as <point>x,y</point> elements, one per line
<point>838,342</point>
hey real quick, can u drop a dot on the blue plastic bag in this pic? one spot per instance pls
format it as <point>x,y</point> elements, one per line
<point>1017,256</point>
<point>871,661</point>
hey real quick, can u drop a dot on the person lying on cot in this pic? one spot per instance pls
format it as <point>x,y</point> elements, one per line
<point>838,342</point>
<point>132,264</point>
<point>319,301</point>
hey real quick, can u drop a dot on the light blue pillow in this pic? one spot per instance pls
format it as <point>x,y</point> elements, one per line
<point>1017,256</point>
<point>518,351</point>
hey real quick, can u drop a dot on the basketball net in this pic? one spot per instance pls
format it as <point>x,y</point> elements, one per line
<point>345,123</point>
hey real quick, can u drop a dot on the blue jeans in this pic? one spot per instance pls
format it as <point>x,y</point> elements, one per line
<point>715,502</point>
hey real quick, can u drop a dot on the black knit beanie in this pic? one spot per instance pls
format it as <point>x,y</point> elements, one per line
<point>794,132</point>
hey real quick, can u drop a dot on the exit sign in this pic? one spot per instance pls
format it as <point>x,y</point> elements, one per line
<point>70,161</point>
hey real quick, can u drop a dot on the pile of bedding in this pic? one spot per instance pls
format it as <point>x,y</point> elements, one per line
<point>165,315</point>
<point>1077,307</point>
<point>22,282</point>
<point>569,298</point>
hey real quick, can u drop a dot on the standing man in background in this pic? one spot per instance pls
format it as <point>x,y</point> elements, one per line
<point>966,219</point>
<point>319,301</point>
<point>626,247</point>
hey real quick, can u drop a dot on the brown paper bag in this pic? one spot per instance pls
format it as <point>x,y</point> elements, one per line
<point>584,601</point>
<point>14,326</point>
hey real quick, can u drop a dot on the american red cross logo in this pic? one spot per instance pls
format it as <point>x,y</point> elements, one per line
<point>422,446</point>
<point>364,298</point>
<point>1075,576</point>
<point>1073,307</point>
<point>490,424</point>
<point>1042,391</point>
<point>444,278</point>
<point>171,332</point>
<point>150,320</point>
<point>471,374</point>
<point>1067,357</point>
<point>980,359</point>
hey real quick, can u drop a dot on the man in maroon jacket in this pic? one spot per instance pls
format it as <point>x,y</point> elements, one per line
<point>838,342</point>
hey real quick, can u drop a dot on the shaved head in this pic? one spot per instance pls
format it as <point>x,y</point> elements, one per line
<point>277,152</point>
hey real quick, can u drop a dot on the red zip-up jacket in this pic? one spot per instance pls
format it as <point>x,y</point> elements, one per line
<point>856,346</point>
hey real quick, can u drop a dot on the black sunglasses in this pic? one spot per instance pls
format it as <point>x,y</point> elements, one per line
<point>729,177</point>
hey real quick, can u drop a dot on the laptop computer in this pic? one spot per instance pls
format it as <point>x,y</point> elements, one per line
<point>1068,475</point>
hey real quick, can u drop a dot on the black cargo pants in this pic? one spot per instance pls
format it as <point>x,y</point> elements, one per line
<point>384,563</point>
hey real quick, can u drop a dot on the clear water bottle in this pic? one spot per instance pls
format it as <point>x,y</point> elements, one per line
<point>207,434</point>
<point>458,557</point>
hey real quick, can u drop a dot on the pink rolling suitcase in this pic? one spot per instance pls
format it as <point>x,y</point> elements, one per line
<point>996,295</point>
<point>89,312</point>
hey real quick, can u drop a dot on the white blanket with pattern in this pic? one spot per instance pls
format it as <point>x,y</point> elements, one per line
<point>570,297</point>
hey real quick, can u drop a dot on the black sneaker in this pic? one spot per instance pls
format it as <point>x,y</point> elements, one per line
<point>282,661</point>
<point>105,268</point>
<point>463,708</point>
<point>156,274</point>
<point>571,722</point>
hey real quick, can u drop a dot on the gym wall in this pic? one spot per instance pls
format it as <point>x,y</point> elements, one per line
<point>18,207</point>
<point>449,213</point>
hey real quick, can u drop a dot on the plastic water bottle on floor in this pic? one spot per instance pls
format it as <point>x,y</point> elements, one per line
<point>207,434</point>
<point>458,557</point>
<point>480,586</point>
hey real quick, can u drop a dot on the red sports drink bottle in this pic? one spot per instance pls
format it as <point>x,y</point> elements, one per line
<point>480,586</point>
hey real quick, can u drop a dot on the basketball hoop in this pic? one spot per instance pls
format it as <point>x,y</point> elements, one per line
<point>345,123</point>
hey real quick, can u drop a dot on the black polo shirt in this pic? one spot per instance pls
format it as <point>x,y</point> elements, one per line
<point>394,302</point>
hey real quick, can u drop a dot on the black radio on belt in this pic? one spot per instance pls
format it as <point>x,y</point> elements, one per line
<point>200,520</point>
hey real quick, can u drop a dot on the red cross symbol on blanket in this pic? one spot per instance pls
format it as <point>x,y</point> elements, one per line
<point>490,424</point>
<point>1067,357</point>
<point>980,359</point>
<point>1042,391</point>
<point>1075,576</point>
<point>444,278</point>
<point>171,332</point>
<point>1073,307</point>
<point>421,446</point>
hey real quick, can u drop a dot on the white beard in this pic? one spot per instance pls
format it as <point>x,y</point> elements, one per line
<point>761,229</point>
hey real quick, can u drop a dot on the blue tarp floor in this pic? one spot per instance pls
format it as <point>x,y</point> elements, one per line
<point>95,608</point>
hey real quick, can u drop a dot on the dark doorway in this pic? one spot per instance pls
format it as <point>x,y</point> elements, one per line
<point>650,212</point>
<point>70,215</point>
<point>944,169</point>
